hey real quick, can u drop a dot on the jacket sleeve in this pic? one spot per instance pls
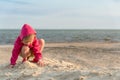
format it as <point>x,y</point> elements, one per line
<point>15,51</point>
<point>36,51</point>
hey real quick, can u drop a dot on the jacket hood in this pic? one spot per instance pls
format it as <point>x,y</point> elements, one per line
<point>26,30</point>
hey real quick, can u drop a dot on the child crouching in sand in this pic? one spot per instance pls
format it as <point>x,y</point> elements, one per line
<point>27,45</point>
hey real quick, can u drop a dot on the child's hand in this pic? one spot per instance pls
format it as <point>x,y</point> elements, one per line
<point>11,66</point>
<point>40,63</point>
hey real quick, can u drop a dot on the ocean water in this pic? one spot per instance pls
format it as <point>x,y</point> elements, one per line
<point>9,36</point>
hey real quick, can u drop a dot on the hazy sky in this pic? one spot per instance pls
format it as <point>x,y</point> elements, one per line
<point>60,14</point>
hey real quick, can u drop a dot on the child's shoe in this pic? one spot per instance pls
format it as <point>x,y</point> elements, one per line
<point>24,60</point>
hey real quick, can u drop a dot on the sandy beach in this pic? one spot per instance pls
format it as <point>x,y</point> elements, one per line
<point>66,61</point>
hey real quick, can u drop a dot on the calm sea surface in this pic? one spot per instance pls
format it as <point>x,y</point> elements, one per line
<point>9,36</point>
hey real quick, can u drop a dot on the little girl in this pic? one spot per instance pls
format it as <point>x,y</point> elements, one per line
<point>27,45</point>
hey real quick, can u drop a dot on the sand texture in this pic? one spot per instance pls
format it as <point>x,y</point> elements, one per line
<point>66,61</point>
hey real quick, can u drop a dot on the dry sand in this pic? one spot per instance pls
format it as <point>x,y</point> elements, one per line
<point>66,61</point>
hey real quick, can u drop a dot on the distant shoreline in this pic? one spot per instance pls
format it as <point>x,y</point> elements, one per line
<point>70,29</point>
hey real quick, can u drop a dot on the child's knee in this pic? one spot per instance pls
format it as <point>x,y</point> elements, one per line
<point>25,50</point>
<point>42,41</point>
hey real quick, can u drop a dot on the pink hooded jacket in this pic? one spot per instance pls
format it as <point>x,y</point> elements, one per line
<point>35,46</point>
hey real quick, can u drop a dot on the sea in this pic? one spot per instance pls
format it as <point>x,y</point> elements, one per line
<point>8,36</point>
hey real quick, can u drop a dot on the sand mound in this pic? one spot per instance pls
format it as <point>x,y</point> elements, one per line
<point>26,65</point>
<point>56,70</point>
<point>28,70</point>
<point>22,71</point>
<point>61,65</point>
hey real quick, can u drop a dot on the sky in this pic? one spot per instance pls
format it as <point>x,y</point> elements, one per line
<point>60,14</point>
